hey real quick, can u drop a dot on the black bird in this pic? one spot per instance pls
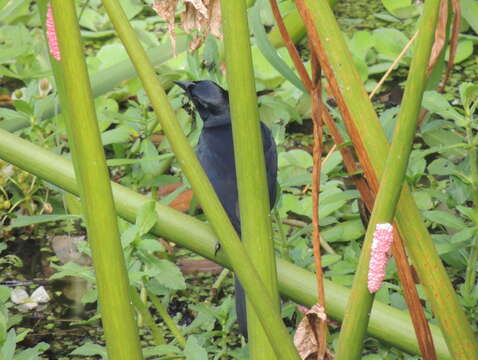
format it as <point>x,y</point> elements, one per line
<point>216,155</point>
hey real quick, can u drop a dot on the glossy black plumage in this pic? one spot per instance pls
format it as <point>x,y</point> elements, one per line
<point>216,154</point>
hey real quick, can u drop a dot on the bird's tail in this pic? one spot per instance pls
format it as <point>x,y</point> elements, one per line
<point>241,308</point>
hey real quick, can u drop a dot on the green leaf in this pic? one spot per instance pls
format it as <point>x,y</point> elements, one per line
<point>437,104</point>
<point>131,7</point>
<point>149,151</point>
<point>32,353</point>
<point>360,43</point>
<point>463,51</point>
<point>268,50</point>
<point>444,218</point>
<point>12,11</point>
<point>4,294</point>
<point>469,10</point>
<point>73,269</point>
<point>390,42</point>
<point>151,351</point>
<point>169,274</point>
<point>295,157</point>
<point>12,115</point>
<point>90,349</point>
<point>469,96</point>
<point>344,231</point>
<point>147,217</point>
<point>193,351</point>
<point>21,221</point>
<point>442,167</point>
<point>118,135</point>
<point>393,5</point>
<point>8,348</point>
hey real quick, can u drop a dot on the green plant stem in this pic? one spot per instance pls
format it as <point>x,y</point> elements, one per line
<point>97,201</point>
<point>470,276</point>
<point>371,144</point>
<point>168,320</point>
<point>472,156</point>
<point>386,323</point>
<point>243,267</point>
<point>354,327</point>
<point>283,244</point>
<point>253,191</point>
<point>146,315</point>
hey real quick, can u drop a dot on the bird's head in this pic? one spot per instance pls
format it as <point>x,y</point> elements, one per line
<point>210,100</point>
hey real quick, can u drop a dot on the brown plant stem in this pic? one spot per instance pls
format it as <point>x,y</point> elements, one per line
<point>317,109</point>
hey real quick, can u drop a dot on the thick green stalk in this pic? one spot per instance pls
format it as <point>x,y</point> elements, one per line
<point>370,143</point>
<point>386,323</point>
<point>254,202</point>
<point>263,304</point>
<point>354,327</point>
<point>97,201</point>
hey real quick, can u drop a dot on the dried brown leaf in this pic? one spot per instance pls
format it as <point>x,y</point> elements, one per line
<point>440,35</point>
<point>455,32</point>
<point>199,6</point>
<point>167,10</point>
<point>215,18</point>
<point>203,16</point>
<point>306,335</point>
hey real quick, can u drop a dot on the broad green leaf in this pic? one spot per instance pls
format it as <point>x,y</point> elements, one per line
<point>90,349</point>
<point>73,269</point>
<point>436,103</point>
<point>469,96</point>
<point>193,350</point>
<point>442,167</point>
<point>390,42</point>
<point>469,10</point>
<point>33,353</point>
<point>393,5</point>
<point>21,221</point>
<point>8,348</point>
<point>445,218</point>
<point>463,51</point>
<point>150,352</point>
<point>268,50</point>
<point>360,43</point>
<point>131,7</point>
<point>147,217</point>
<point>344,231</point>
<point>295,157</point>
<point>11,11</point>
<point>169,274</point>
<point>4,294</point>
<point>118,135</point>
<point>149,151</point>
<point>423,200</point>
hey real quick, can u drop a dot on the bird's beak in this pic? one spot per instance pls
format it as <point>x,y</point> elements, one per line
<point>185,85</point>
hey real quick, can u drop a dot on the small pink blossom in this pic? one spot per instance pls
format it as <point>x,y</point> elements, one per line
<point>51,34</point>
<point>382,242</point>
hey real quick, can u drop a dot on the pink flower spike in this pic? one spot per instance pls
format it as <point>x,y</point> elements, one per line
<point>382,242</point>
<point>51,35</point>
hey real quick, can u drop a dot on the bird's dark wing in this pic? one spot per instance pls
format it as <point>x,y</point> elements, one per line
<point>217,159</point>
<point>270,155</point>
